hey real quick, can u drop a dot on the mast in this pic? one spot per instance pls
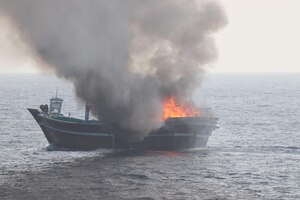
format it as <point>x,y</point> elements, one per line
<point>87,111</point>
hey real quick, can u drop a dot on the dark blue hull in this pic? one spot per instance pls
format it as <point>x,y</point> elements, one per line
<point>177,134</point>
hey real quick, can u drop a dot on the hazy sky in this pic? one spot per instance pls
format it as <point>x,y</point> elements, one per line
<point>261,36</point>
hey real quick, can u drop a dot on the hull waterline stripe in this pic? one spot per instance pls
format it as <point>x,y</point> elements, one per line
<point>76,133</point>
<point>180,135</point>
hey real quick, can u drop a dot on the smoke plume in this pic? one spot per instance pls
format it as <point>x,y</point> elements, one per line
<point>123,56</point>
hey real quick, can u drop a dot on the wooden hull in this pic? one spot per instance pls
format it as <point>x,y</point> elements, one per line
<point>177,134</point>
<point>78,141</point>
<point>175,141</point>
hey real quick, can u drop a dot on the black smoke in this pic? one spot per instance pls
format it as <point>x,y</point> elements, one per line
<point>123,56</point>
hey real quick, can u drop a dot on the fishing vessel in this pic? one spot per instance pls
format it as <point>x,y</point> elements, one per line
<point>176,133</point>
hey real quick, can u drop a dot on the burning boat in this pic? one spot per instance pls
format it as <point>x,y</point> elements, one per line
<point>183,128</point>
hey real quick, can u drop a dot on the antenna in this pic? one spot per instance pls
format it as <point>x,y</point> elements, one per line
<point>56,92</point>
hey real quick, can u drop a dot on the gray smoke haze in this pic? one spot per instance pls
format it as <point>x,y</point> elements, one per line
<point>123,56</point>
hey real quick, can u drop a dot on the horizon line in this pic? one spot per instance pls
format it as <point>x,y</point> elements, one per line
<point>207,72</point>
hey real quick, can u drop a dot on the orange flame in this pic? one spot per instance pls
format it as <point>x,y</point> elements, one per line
<point>172,109</point>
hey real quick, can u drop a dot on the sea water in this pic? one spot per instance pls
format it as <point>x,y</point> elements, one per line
<point>254,154</point>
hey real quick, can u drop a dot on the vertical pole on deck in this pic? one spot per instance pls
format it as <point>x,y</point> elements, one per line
<point>87,112</point>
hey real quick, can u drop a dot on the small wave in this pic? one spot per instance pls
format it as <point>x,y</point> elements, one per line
<point>292,147</point>
<point>126,153</point>
<point>264,106</point>
<point>237,147</point>
<point>275,149</point>
<point>262,124</point>
<point>282,147</point>
<point>52,147</point>
<point>138,176</point>
<point>145,198</point>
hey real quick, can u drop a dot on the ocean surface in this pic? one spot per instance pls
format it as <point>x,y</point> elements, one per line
<point>255,153</point>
